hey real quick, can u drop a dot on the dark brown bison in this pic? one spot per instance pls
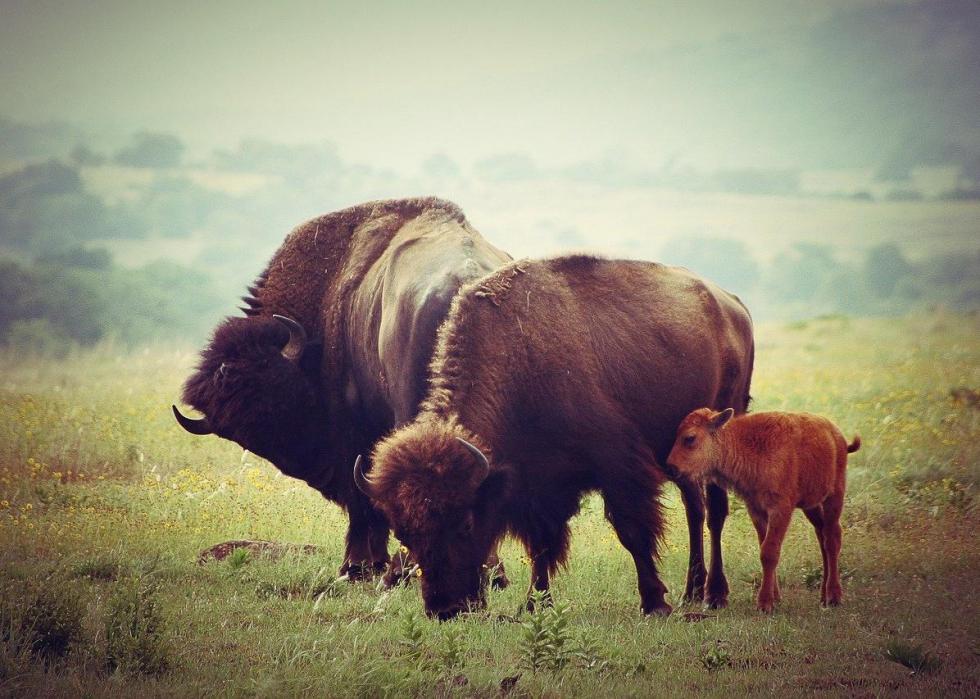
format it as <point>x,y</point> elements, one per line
<point>552,379</point>
<point>334,346</point>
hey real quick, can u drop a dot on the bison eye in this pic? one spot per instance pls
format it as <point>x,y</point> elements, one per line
<point>466,526</point>
<point>689,440</point>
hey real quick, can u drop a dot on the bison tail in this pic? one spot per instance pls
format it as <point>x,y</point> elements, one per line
<point>855,445</point>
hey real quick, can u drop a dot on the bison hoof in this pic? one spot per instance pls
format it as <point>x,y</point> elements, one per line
<point>715,601</point>
<point>499,581</point>
<point>695,594</point>
<point>359,572</point>
<point>662,609</point>
<point>766,606</point>
<point>398,575</point>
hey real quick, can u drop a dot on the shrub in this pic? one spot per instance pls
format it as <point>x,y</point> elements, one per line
<point>914,657</point>
<point>46,620</point>
<point>547,642</point>
<point>134,635</point>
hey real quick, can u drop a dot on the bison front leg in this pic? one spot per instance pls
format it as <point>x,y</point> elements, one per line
<point>495,569</point>
<point>633,525</point>
<point>360,560</point>
<point>540,577</point>
<point>716,594</point>
<point>693,496</point>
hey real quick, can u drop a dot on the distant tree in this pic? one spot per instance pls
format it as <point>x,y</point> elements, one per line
<point>83,156</point>
<point>296,164</point>
<point>884,266</point>
<point>799,273</point>
<point>19,140</point>
<point>151,150</point>
<point>723,260</point>
<point>81,257</point>
<point>175,206</point>
<point>39,179</point>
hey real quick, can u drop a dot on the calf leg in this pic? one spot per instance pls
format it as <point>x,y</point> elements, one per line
<point>716,594</point>
<point>771,547</point>
<point>815,515</point>
<point>693,496</point>
<point>760,520</point>
<point>832,541</point>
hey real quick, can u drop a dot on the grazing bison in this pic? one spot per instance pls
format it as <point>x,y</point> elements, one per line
<point>334,346</point>
<point>776,462</point>
<point>552,379</point>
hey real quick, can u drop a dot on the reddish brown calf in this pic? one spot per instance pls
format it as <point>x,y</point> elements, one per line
<point>775,462</point>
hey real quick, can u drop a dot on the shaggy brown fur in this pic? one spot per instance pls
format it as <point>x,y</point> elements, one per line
<point>776,462</point>
<point>370,286</point>
<point>570,375</point>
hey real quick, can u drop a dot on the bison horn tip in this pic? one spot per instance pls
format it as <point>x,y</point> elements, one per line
<point>297,338</point>
<point>198,426</point>
<point>480,457</point>
<point>363,483</point>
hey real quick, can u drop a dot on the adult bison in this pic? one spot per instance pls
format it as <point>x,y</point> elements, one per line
<point>552,379</point>
<point>333,349</point>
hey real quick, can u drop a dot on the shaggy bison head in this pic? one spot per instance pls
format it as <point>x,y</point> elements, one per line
<point>254,388</point>
<point>442,499</point>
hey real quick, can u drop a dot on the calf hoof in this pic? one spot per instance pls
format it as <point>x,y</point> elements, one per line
<point>766,606</point>
<point>832,602</point>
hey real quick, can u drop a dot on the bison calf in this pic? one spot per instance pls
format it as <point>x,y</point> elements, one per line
<point>776,462</point>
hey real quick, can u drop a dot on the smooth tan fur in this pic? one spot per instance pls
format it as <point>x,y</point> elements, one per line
<point>775,462</point>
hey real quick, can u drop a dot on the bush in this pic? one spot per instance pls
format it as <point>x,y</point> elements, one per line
<point>38,337</point>
<point>45,620</point>
<point>134,629</point>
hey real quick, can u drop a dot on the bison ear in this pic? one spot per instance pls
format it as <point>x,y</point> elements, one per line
<point>718,420</point>
<point>492,492</point>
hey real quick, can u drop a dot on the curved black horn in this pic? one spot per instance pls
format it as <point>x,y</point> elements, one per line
<point>198,426</point>
<point>297,338</point>
<point>481,458</point>
<point>363,483</point>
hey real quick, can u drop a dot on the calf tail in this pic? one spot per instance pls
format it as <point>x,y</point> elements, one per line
<point>855,445</point>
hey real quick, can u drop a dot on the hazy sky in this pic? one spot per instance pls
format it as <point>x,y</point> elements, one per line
<point>389,82</point>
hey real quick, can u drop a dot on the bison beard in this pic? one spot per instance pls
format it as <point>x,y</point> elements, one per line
<point>552,379</point>
<point>333,348</point>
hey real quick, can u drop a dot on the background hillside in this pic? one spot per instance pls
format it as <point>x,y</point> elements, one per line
<point>813,160</point>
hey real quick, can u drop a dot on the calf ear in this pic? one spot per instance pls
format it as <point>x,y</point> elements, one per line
<point>718,420</point>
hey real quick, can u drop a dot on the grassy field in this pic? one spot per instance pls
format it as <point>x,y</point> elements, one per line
<point>105,504</point>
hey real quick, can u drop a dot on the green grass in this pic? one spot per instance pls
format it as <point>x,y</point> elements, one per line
<point>103,496</point>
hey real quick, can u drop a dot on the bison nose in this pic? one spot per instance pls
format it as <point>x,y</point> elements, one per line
<point>671,470</point>
<point>445,613</point>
